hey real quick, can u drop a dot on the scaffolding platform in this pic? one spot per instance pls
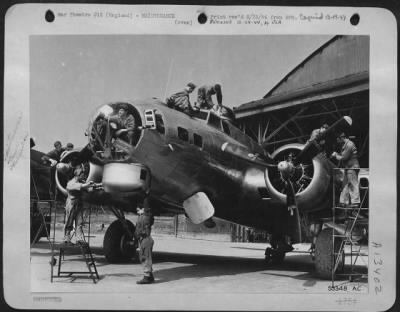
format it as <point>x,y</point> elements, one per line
<point>350,223</point>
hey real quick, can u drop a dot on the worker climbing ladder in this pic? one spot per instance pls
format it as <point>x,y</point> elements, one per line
<point>65,253</point>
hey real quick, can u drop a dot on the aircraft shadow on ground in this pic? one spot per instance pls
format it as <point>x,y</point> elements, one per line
<point>311,278</point>
<point>201,266</point>
<point>211,265</point>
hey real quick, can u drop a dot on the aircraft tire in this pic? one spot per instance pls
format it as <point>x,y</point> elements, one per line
<point>116,249</point>
<point>324,254</point>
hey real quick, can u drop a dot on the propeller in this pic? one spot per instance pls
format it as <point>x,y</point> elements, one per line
<point>287,168</point>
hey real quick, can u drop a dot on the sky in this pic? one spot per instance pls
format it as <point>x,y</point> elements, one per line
<point>71,75</point>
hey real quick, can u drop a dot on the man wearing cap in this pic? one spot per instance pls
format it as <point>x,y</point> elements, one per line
<point>315,137</point>
<point>69,147</point>
<point>204,96</point>
<point>124,120</point>
<point>316,132</point>
<point>54,155</point>
<point>348,155</point>
<point>180,100</point>
<point>143,234</point>
<point>73,205</point>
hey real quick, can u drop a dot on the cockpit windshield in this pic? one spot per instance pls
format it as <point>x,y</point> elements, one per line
<point>114,131</point>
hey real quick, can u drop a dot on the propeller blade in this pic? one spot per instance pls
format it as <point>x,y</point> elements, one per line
<point>286,169</point>
<point>312,149</point>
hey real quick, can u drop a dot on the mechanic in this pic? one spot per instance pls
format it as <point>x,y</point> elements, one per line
<point>143,233</point>
<point>348,155</point>
<point>204,97</point>
<point>74,207</point>
<point>55,154</point>
<point>69,147</point>
<point>180,100</point>
<point>124,120</point>
<point>350,194</point>
<point>316,132</point>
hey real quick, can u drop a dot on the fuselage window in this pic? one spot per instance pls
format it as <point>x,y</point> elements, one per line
<point>198,140</point>
<point>183,134</point>
<point>225,126</point>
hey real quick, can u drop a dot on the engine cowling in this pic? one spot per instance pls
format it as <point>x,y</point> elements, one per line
<point>311,180</point>
<point>126,177</point>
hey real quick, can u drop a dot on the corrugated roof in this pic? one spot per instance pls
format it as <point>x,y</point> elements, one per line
<point>341,62</point>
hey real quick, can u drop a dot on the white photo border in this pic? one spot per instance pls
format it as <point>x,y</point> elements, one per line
<point>25,20</point>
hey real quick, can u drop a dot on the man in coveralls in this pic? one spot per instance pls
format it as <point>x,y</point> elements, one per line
<point>204,97</point>
<point>73,206</point>
<point>347,157</point>
<point>125,120</point>
<point>180,100</point>
<point>143,233</point>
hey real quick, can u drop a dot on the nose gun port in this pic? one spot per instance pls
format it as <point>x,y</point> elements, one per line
<point>114,132</point>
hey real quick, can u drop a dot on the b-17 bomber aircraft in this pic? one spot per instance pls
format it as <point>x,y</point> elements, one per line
<point>203,166</point>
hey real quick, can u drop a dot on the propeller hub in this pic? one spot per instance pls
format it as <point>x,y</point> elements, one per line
<point>286,168</point>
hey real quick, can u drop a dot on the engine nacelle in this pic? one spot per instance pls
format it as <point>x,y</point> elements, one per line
<point>126,177</point>
<point>311,180</point>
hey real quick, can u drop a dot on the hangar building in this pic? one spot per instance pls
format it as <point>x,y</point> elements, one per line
<point>330,83</point>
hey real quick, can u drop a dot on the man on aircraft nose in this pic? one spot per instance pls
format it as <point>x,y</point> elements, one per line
<point>180,100</point>
<point>124,121</point>
<point>204,96</point>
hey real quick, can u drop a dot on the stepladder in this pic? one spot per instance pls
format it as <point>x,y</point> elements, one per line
<point>69,267</point>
